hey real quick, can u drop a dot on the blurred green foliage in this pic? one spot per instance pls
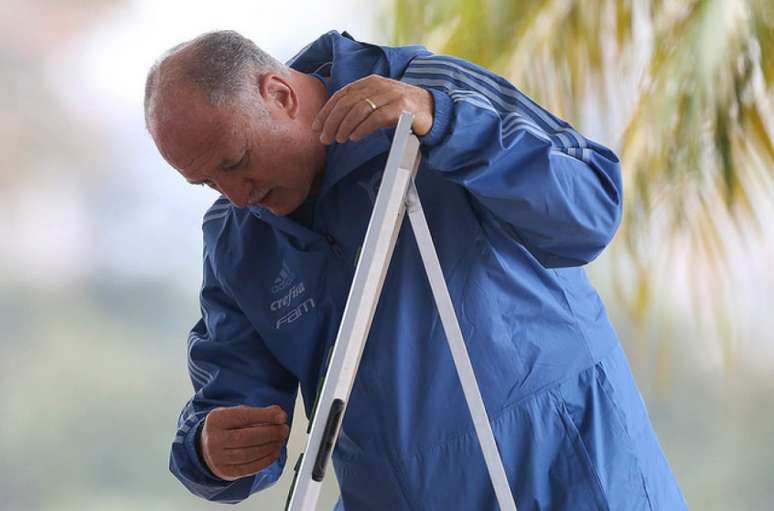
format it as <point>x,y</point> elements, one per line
<point>684,90</point>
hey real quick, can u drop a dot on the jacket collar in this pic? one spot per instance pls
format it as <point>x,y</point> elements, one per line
<point>344,60</point>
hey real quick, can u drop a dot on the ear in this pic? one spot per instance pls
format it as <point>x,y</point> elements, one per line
<point>279,94</point>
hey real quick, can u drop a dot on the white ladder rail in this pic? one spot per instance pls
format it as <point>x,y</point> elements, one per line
<point>397,194</point>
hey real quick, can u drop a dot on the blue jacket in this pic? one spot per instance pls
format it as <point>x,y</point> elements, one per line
<point>517,201</point>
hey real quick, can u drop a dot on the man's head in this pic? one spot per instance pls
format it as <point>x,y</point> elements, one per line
<point>226,114</point>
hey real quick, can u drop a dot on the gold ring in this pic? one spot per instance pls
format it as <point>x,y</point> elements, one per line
<point>371,104</point>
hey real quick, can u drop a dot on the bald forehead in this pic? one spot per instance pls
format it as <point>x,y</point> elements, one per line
<point>199,139</point>
<point>184,116</point>
<point>171,84</point>
<point>181,118</point>
<point>177,95</point>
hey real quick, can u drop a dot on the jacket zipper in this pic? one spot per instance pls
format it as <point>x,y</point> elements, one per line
<point>335,247</point>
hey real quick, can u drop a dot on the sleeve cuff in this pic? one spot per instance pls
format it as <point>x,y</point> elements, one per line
<point>442,111</point>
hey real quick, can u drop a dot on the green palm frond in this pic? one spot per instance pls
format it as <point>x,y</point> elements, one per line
<point>684,90</point>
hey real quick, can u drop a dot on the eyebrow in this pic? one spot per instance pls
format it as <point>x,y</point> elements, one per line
<point>222,165</point>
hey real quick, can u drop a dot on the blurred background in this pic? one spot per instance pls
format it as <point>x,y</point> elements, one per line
<point>101,241</point>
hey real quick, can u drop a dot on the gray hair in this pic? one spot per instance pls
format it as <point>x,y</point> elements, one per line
<point>221,63</point>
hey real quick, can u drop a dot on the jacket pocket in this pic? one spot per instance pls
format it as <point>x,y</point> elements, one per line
<point>544,460</point>
<point>596,428</point>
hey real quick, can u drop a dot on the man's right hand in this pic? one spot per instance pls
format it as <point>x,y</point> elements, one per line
<point>239,441</point>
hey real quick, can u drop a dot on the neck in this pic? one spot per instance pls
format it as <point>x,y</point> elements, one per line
<point>312,96</point>
<point>313,93</point>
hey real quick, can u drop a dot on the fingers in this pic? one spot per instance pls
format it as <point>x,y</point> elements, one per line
<point>380,118</point>
<point>349,104</point>
<point>252,436</point>
<point>357,114</point>
<point>241,440</point>
<point>247,454</point>
<point>241,416</point>
<point>322,115</point>
<point>234,472</point>
<point>347,114</point>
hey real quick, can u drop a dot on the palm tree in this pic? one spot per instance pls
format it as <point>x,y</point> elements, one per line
<point>682,90</point>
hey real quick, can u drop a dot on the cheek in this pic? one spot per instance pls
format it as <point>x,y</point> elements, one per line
<point>296,172</point>
<point>284,202</point>
<point>292,198</point>
<point>283,196</point>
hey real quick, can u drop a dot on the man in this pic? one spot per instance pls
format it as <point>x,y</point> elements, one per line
<point>517,202</point>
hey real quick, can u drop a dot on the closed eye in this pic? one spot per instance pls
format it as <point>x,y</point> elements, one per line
<point>242,161</point>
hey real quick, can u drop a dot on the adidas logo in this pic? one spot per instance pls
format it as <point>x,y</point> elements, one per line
<point>284,279</point>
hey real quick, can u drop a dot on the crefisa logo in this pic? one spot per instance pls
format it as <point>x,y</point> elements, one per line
<point>285,282</point>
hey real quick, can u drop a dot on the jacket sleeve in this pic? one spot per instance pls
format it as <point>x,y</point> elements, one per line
<point>557,192</point>
<point>229,365</point>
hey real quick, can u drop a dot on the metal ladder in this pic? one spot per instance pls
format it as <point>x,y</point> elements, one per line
<point>397,195</point>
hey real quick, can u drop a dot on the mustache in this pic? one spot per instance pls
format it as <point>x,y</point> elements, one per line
<point>257,195</point>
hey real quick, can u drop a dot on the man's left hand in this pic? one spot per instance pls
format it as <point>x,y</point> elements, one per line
<point>347,114</point>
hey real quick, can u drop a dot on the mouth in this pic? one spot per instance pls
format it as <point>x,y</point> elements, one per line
<point>257,196</point>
